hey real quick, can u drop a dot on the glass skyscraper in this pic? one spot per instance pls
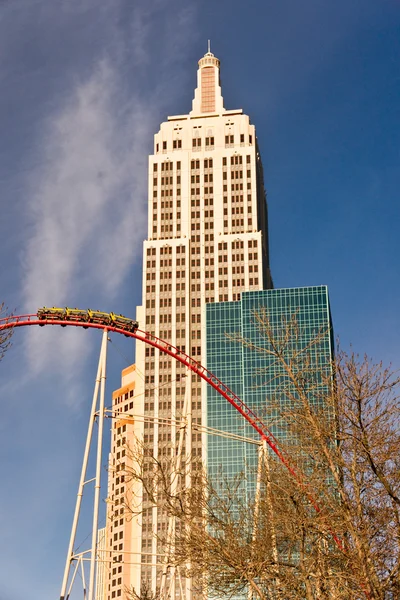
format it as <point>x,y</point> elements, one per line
<point>256,376</point>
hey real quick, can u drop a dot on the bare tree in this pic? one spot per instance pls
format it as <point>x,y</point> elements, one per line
<point>330,531</point>
<point>146,593</point>
<point>343,435</point>
<point>5,334</point>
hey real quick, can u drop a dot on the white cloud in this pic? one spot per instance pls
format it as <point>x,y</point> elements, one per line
<point>94,178</point>
<point>87,208</point>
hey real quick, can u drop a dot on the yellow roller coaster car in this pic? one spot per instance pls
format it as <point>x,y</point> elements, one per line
<point>123,322</point>
<point>76,314</point>
<point>96,316</point>
<point>53,313</point>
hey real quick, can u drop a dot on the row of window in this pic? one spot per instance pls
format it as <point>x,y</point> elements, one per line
<point>195,214</point>
<point>194,263</point>
<point>236,174</point>
<point>195,202</point>
<point>195,287</point>
<point>167,193</point>
<point>208,178</point>
<point>167,166</point>
<point>167,180</point>
<point>166,216</point>
<point>195,164</point>
<point>235,160</point>
<point>167,230</point>
<point>166,318</point>
<point>238,223</point>
<point>207,225</point>
<point>165,263</point>
<point>209,142</point>
<point>236,244</point>
<point>196,191</point>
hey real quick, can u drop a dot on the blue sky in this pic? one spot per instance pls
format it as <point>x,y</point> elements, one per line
<point>85,85</point>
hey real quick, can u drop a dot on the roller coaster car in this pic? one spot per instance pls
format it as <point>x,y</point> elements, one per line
<point>76,314</point>
<point>123,322</point>
<point>51,314</point>
<point>96,316</point>
<point>41,314</point>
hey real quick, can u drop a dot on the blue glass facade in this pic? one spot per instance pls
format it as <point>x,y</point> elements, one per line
<point>256,376</point>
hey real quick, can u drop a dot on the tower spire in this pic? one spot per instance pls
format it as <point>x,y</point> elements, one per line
<point>208,96</point>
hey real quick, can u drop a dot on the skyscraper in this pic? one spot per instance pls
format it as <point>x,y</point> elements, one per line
<point>258,378</point>
<point>207,242</point>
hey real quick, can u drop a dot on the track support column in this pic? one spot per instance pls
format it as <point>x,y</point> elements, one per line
<point>94,413</point>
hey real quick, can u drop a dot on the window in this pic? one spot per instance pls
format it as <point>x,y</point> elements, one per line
<point>209,141</point>
<point>242,138</point>
<point>164,145</point>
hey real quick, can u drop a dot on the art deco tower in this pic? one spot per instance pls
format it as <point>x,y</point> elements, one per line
<point>207,242</point>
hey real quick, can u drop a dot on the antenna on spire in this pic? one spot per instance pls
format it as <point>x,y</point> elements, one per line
<point>209,46</point>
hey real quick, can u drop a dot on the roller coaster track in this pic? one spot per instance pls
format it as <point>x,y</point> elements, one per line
<point>144,336</point>
<point>185,359</point>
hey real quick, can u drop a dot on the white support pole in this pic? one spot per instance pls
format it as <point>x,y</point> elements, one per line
<point>73,577</point>
<point>81,481</point>
<point>96,502</point>
<point>271,520</point>
<point>180,582</point>
<point>257,503</point>
<point>83,578</point>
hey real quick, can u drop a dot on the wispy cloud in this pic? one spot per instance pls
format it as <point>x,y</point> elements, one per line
<point>87,207</point>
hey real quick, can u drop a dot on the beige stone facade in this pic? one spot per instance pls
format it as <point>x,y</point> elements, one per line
<point>207,241</point>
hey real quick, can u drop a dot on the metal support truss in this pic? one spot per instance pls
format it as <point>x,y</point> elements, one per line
<point>96,414</point>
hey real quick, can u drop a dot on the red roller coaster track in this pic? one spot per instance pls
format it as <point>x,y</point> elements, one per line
<point>185,359</point>
<point>196,367</point>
